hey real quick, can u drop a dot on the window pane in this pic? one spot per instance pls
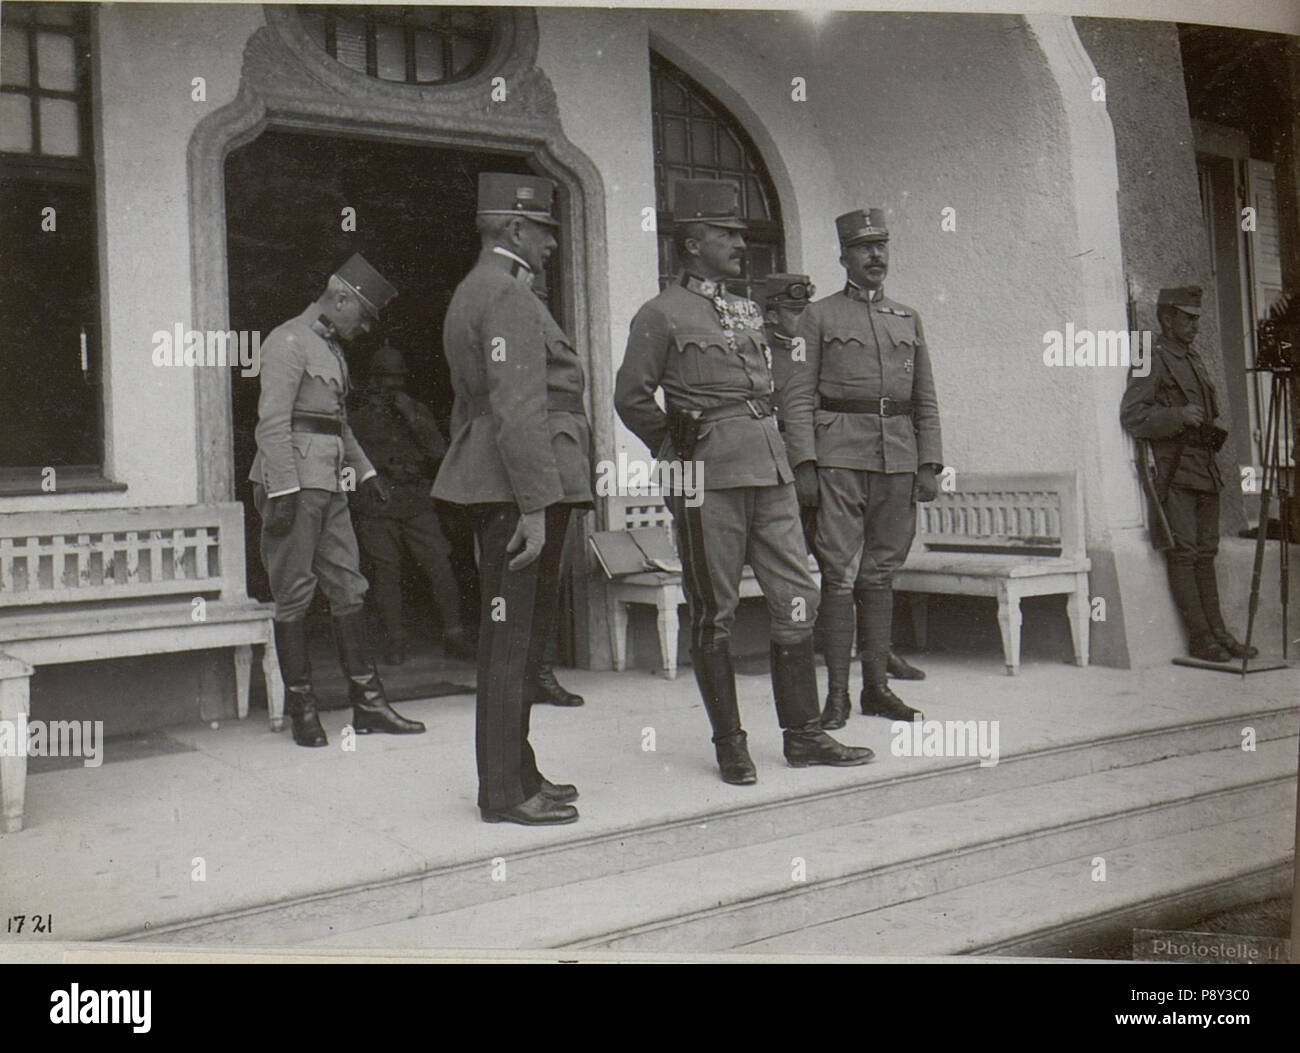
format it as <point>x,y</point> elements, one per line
<point>314,23</point>
<point>15,123</point>
<point>60,136</point>
<point>729,153</point>
<point>674,140</point>
<point>55,14</point>
<point>428,58</point>
<point>390,44</point>
<point>757,206</point>
<point>464,53</point>
<point>671,97</point>
<point>350,38</point>
<point>56,62</point>
<point>702,143</point>
<point>13,57</point>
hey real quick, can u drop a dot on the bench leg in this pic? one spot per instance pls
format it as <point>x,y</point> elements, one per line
<point>668,599</point>
<point>1080,611</point>
<point>274,685</point>
<point>15,705</point>
<point>1009,623</point>
<point>243,676</point>
<point>618,633</point>
<point>919,605</point>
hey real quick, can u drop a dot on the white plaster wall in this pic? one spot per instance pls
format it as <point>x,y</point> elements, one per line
<point>145,58</point>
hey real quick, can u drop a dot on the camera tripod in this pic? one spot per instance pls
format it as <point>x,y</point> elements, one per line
<point>1275,479</point>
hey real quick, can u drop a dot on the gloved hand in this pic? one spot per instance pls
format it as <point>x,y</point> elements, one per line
<point>805,484</point>
<point>1193,414</point>
<point>530,536</point>
<point>280,514</point>
<point>375,489</point>
<point>926,486</point>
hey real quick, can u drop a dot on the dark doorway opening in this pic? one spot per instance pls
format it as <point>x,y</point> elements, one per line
<point>286,199</point>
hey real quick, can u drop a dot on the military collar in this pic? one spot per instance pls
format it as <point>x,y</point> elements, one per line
<point>325,328</point>
<point>519,267</point>
<point>1175,348</point>
<point>702,286</point>
<point>876,299</point>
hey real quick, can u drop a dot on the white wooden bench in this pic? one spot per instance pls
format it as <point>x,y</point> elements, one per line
<point>1007,536</point>
<point>82,586</point>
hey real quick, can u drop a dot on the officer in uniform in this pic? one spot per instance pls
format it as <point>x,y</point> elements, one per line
<point>520,461</point>
<point>402,439</point>
<point>1174,408</point>
<point>704,347</point>
<point>304,445</point>
<point>862,425</point>
<point>784,298</point>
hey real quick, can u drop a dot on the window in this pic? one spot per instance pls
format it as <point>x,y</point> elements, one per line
<point>695,137</point>
<point>49,299</point>
<point>406,45</point>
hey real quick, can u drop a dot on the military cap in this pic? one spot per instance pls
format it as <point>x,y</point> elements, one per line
<point>710,201</point>
<point>793,289</point>
<point>388,361</point>
<point>371,286</point>
<point>862,224</point>
<point>505,194</point>
<point>1184,297</point>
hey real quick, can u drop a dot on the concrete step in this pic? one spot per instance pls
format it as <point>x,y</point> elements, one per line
<point>734,896</point>
<point>924,783</point>
<point>1156,884</point>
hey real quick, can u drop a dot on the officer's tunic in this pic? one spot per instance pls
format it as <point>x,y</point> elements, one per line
<point>304,372</point>
<point>862,349</point>
<point>1187,473</point>
<point>406,454</point>
<point>748,512</point>
<point>521,442</point>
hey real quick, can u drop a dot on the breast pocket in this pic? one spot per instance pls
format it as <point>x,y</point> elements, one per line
<point>844,356</point>
<point>703,359</point>
<point>900,356</point>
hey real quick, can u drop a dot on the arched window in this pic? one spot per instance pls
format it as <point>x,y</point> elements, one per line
<point>696,137</point>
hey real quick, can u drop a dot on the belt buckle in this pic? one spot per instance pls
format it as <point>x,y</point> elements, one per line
<point>755,409</point>
<point>884,407</point>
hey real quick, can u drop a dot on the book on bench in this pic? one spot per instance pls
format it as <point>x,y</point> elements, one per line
<point>638,551</point>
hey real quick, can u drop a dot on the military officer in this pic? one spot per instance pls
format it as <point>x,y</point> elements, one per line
<point>304,447</point>
<point>520,461</point>
<point>862,425</point>
<point>402,439</point>
<point>1174,407</point>
<point>784,298</point>
<point>704,347</point>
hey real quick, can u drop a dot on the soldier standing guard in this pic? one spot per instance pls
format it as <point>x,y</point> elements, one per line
<point>704,346</point>
<point>304,445</point>
<point>520,460</point>
<point>862,425</point>
<point>1174,408</point>
<point>402,438</point>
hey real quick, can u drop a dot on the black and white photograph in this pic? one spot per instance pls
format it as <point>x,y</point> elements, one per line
<point>707,483</point>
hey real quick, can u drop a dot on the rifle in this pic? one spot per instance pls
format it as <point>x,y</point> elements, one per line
<point>1162,537</point>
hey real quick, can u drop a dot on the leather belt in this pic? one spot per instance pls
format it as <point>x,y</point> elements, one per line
<point>556,402</point>
<point>758,408</point>
<point>317,425</point>
<point>883,407</point>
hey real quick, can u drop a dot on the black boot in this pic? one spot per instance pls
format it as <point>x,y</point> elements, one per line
<point>716,680</point>
<point>901,669</point>
<point>370,708</point>
<point>546,689</point>
<point>794,685</point>
<point>875,620</point>
<point>1201,641</point>
<point>295,670</point>
<point>1207,586</point>
<point>836,622</point>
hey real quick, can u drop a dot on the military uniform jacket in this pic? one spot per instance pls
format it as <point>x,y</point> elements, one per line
<point>406,453</point>
<point>506,355</point>
<point>303,372</point>
<point>857,350</point>
<point>1149,410</point>
<point>677,342</point>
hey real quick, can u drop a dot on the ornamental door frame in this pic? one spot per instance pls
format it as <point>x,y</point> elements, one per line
<point>288,83</point>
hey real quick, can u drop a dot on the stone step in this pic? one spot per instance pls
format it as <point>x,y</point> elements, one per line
<point>903,785</point>
<point>737,895</point>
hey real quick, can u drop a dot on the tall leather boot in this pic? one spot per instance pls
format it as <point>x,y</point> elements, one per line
<point>716,680</point>
<point>875,622</point>
<point>1207,586</point>
<point>1201,641</point>
<point>370,708</point>
<point>901,669</point>
<point>794,686</point>
<point>835,620</point>
<point>546,689</point>
<point>295,670</point>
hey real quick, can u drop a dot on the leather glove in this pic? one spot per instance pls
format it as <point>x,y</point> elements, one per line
<point>375,489</point>
<point>805,484</point>
<point>529,536</point>
<point>1193,415</point>
<point>280,514</point>
<point>926,486</point>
